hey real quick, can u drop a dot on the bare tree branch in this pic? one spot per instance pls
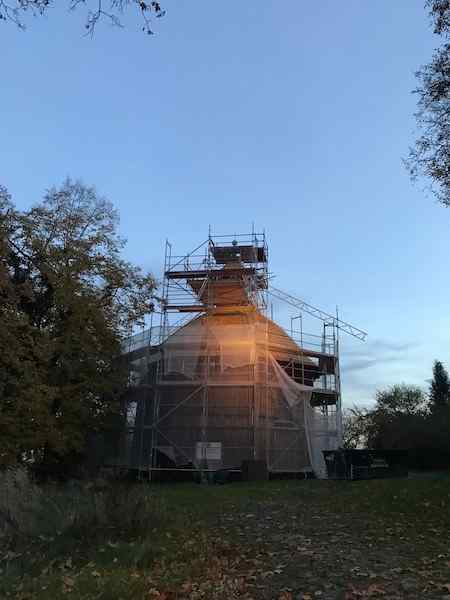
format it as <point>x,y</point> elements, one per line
<point>97,10</point>
<point>429,158</point>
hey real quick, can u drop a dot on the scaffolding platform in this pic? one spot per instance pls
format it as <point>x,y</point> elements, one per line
<point>227,384</point>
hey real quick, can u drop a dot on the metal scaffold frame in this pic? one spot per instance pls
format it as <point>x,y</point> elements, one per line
<point>224,275</point>
<point>178,297</point>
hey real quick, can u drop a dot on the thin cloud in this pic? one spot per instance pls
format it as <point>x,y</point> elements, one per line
<point>361,364</point>
<point>376,352</point>
<point>380,346</point>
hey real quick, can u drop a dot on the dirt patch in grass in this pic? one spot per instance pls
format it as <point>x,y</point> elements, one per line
<point>282,540</point>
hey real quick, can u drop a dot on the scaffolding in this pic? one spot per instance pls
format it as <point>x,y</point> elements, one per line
<point>218,382</point>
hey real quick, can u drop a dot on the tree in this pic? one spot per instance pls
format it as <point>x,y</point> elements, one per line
<point>401,419</point>
<point>440,386</point>
<point>70,301</point>
<point>24,397</point>
<point>430,157</point>
<point>397,419</point>
<point>400,399</point>
<point>355,422</point>
<point>15,10</point>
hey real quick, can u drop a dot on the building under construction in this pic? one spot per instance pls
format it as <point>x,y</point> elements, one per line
<point>217,382</point>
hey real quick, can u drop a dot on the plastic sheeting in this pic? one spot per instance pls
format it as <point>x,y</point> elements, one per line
<point>320,423</point>
<point>213,346</point>
<point>246,401</point>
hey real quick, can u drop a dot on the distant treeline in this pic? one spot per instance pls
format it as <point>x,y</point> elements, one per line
<point>406,417</point>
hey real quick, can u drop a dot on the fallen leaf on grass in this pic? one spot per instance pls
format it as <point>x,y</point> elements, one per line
<point>186,588</point>
<point>375,589</point>
<point>68,581</point>
<point>157,595</point>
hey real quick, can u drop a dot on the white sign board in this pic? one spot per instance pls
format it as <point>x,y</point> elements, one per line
<point>208,451</point>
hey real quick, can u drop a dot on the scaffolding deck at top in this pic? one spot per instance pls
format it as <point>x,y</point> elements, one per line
<point>224,270</point>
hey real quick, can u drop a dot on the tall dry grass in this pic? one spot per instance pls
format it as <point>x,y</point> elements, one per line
<point>31,510</point>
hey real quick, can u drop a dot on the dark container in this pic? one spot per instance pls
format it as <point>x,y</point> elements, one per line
<point>366,464</point>
<point>254,470</point>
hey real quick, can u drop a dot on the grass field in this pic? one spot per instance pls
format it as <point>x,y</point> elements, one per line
<point>284,540</point>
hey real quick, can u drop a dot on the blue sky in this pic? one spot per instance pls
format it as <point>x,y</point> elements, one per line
<point>294,115</point>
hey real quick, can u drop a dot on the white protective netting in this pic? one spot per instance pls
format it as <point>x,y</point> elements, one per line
<point>233,353</point>
<point>321,428</point>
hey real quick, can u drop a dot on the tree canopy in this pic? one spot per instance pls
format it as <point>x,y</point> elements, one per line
<point>400,399</point>
<point>96,10</point>
<point>405,417</point>
<point>68,301</point>
<point>354,421</point>
<point>430,156</point>
<point>439,387</point>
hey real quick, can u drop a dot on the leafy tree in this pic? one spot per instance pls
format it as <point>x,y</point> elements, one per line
<point>23,413</point>
<point>430,157</point>
<point>440,386</point>
<point>15,10</point>
<point>69,301</point>
<point>402,419</point>
<point>355,422</point>
<point>397,419</point>
<point>400,399</point>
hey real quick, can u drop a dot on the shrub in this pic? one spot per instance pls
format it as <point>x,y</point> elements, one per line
<point>76,509</point>
<point>20,502</point>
